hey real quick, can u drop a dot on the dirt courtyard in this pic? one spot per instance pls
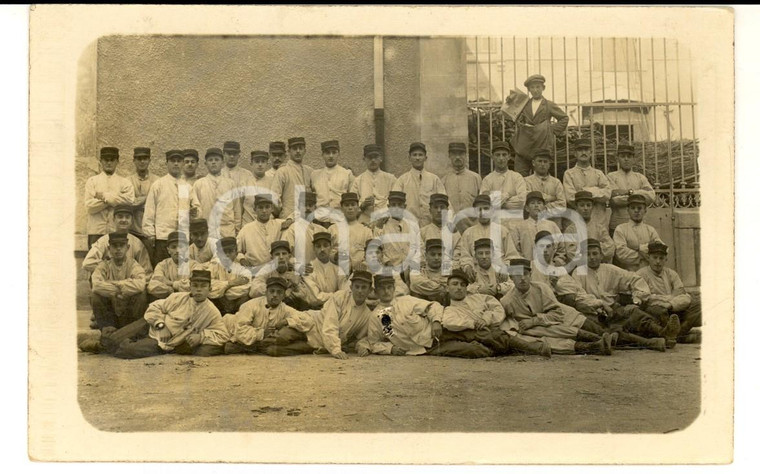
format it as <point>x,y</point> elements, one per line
<point>631,391</point>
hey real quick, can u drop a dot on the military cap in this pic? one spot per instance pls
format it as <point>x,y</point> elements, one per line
<point>279,244</point>
<point>417,146</point>
<point>349,197</point>
<point>457,147</point>
<point>396,196</point>
<point>437,197</point>
<point>117,238</point>
<point>176,237</point>
<point>200,275</point>
<point>141,151</point>
<point>372,150</point>
<point>212,152</point>
<point>582,143</point>
<point>543,154</point>
<point>481,199</point>
<point>231,146</point>
<point>375,242</point>
<point>458,273</point>
<point>125,208</point>
<point>520,262</point>
<point>593,243</point>
<point>636,199</point>
<point>584,196</point>
<point>501,146</point>
<point>276,147</point>
<point>173,154</point>
<point>296,141</point>
<point>190,152</point>
<point>361,275</point>
<point>380,279</point>
<point>330,144</point>
<point>227,243</point>
<point>276,280</point>
<point>534,78</point>
<point>321,236</point>
<point>262,198</point>
<point>259,154</point>
<point>310,197</point>
<point>108,152</point>
<point>484,242</point>
<point>625,148</point>
<point>534,195</point>
<point>542,234</point>
<point>433,244</point>
<point>657,247</point>
<point>199,224</point>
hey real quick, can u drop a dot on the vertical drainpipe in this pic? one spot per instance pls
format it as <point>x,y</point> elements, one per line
<point>379,106</point>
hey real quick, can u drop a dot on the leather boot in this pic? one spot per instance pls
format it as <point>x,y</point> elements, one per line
<point>519,344</point>
<point>603,346</point>
<point>655,344</point>
<point>669,332</point>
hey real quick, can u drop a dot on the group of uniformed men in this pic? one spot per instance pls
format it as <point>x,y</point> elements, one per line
<point>291,260</point>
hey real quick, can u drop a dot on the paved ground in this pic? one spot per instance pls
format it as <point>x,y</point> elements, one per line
<point>631,391</point>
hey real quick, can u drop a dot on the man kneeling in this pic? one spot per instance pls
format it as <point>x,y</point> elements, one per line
<point>183,323</point>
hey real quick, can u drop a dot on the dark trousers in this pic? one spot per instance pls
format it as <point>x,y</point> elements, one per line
<point>228,306</point>
<point>91,239</point>
<point>690,317</point>
<point>494,339</point>
<point>110,312</point>
<point>148,347</point>
<point>285,342</point>
<point>148,247</point>
<point>160,252</point>
<point>464,350</point>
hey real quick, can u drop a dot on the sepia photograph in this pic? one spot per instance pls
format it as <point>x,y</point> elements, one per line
<point>483,233</point>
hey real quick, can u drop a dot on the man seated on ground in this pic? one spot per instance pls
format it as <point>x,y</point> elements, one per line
<point>202,248</point>
<point>325,277</point>
<point>343,319</point>
<point>532,310</point>
<point>488,280</point>
<point>255,238</point>
<point>118,291</point>
<point>297,293</point>
<point>429,283</point>
<point>632,238</point>
<point>377,264</point>
<point>584,205</point>
<point>405,325</point>
<point>476,317</point>
<point>172,274</point>
<point>231,281</point>
<point>439,205</point>
<point>122,217</point>
<point>525,231</point>
<point>267,325</point>
<point>487,228</point>
<point>622,293</point>
<point>669,296</point>
<point>184,323</point>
